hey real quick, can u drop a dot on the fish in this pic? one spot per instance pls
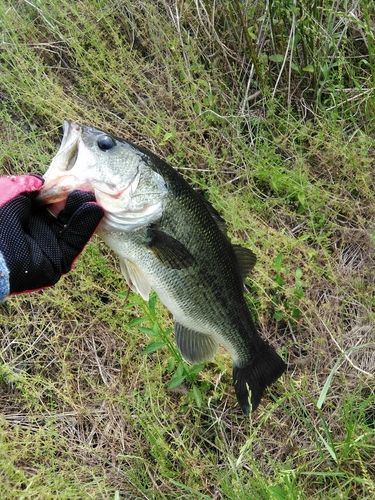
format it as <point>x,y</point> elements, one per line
<point>170,239</point>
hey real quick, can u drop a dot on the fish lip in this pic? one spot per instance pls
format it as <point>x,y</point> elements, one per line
<point>66,127</point>
<point>67,154</point>
<point>60,166</point>
<point>53,191</point>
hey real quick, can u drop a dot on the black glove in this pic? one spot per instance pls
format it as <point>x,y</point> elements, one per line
<point>38,247</point>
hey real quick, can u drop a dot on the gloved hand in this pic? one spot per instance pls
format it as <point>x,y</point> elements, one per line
<point>38,247</point>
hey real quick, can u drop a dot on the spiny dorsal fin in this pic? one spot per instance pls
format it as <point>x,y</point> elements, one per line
<point>246,259</point>
<point>214,214</point>
<point>168,250</point>
<point>195,347</point>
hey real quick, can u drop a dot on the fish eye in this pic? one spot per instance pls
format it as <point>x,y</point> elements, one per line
<point>105,142</point>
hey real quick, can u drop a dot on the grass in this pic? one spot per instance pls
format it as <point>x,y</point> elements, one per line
<point>268,107</point>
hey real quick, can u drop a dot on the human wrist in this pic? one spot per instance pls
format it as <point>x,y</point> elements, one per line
<point>4,279</point>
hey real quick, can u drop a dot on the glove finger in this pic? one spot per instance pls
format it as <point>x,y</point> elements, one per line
<point>16,212</point>
<point>12,186</point>
<point>78,231</point>
<point>74,201</point>
<point>30,268</point>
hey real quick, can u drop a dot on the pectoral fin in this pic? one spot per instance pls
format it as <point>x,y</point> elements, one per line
<point>135,278</point>
<point>195,347</point>
<point>168,250</point>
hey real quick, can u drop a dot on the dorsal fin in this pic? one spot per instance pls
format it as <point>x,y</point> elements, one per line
<point>246,259</point>
<point>214,214</point>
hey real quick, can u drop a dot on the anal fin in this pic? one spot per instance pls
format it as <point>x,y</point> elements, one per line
<point>195,347</point>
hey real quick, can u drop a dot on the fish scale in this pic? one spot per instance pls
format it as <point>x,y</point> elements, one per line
<point>169,239</point>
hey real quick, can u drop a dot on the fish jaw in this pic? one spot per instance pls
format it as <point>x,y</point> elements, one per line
<point>57,190</point>
<point>73,167</point>
<point>68,149</point>
<point>59,180</point>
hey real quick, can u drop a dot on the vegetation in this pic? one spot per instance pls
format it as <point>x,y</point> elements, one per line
<point>268,107</point>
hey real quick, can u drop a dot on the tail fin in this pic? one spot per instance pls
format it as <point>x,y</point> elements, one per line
<point>261,372</point>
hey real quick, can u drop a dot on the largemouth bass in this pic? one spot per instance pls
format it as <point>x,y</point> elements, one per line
<point>169,239</point>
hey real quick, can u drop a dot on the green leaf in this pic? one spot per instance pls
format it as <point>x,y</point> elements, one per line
<point>278,279</point>
<point>180,369</point>
<point>195,369</point>
<point>278,493</point>
<point>278,262</point>
<point>301,197</point>
<point>197,108</point>
<point>167,136</point>
<point>176,380</point>
<point>295,67</point>
<point>152,302</point>
<point>309,68</point>
<point>251,34</point>
<point>148,331</point>
<point>154,346</point>
<point>197,396</point>
<point>276,58</point>
<point>278,315</point>
<point>171,364</point>
<point>327,385</point>
<point>136,321</point>
<point>296,314</point>
<point>157,129</point>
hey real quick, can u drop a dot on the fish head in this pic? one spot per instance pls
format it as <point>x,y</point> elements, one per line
<point>130,192</point>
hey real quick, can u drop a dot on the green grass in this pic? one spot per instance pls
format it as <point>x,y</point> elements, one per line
<point>267,107</point>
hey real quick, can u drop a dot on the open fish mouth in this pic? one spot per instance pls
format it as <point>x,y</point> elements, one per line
<point>59,181</point>
<point>91,160</point>
<point>75,166</point>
